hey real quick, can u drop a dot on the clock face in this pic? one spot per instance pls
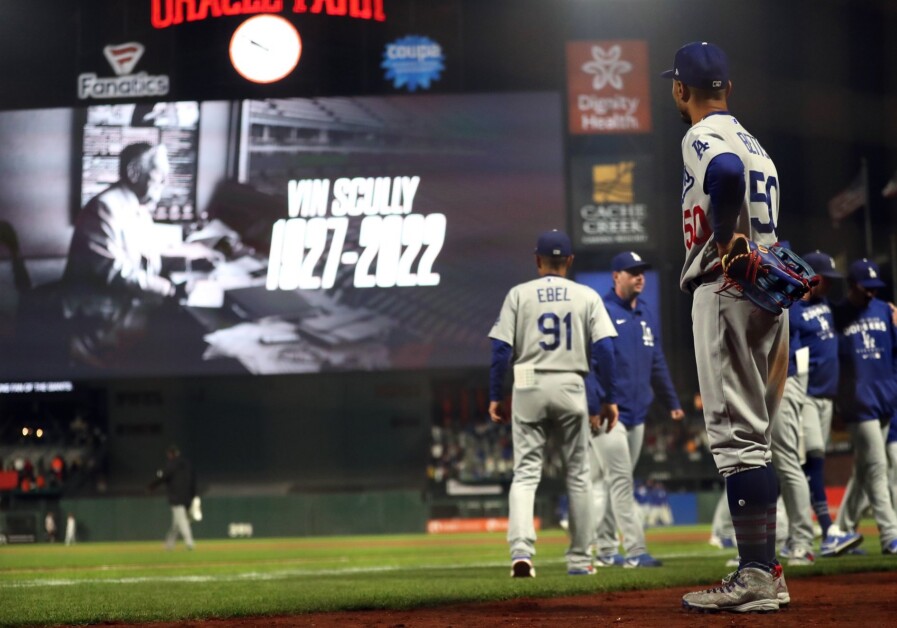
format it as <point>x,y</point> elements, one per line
<point>265,48</point>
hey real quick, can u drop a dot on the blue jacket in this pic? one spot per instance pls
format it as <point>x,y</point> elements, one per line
<point>867,348</point>
<point>640,365</point>
<point>812,323</point>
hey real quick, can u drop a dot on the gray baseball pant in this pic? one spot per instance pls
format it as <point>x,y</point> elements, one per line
<point>870,477</point>
<point>816,415</point>
<point>556,401</point>
<point>180,524</point>
<point>742,359</point>
<point>787,435</point>
<point>853,509</point>
<point>614,456</point>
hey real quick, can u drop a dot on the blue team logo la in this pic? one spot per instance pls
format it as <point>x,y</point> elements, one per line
<point>647,335</point>
<point>413,61</point>
<point>700,147</point>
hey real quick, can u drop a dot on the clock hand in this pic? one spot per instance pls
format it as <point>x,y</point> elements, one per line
<point>255,43</point>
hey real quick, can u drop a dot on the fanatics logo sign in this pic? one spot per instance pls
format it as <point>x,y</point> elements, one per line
<point>607,87</point>
<point>123,59</point>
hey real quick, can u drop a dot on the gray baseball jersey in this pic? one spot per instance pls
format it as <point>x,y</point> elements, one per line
<point>741,354</point>
<point>714,135</point>
<point>551,323</point>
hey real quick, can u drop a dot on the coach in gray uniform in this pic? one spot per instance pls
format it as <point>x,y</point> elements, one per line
<point>554,331</point>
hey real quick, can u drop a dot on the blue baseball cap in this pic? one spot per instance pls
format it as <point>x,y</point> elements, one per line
<point>866,273</point>
<point>554,243</point>
<point>628,260</point>
<point>822,264</point>
<point>700,64</point>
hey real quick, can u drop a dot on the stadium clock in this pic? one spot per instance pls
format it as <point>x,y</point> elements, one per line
<point>265,48</point>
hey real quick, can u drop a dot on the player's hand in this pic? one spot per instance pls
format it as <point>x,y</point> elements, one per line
<point>595,423</point>
<point>893,312</point>
<point>497,412</point>
<point>723,248</point>
<point>677,415</point>
<point>609,415</point>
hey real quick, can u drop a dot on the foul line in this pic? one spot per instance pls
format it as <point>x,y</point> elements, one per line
<point>257,576</point>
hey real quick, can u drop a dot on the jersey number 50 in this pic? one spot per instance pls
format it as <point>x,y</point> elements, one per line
<point>551,325</point>
<point>696,227</point>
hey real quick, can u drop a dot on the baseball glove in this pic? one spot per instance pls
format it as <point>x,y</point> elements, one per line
<point>772,278</point>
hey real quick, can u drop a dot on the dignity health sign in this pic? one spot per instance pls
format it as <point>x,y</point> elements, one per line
<point>607,87</point>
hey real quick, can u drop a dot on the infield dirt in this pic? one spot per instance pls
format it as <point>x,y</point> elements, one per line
<point>864,600</point>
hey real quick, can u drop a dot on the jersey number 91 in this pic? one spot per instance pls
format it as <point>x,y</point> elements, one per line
<point>554,327</point>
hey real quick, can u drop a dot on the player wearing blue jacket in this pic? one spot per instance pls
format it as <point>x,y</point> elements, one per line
<point>812,320</point>
<point>641,370</point>
<point>867,346</point>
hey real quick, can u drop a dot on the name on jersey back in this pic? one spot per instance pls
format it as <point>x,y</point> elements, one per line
<point>552,295</point>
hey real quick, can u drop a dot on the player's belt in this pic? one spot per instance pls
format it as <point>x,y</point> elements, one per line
<point>554,371</point>
<point>711,276</point>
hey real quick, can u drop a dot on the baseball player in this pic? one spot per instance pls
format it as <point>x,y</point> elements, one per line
<point>180,483</point>
<point>641,369</point>
<point>730,189</point>
<point>722,533</point>
<point>813,319</point>
<point>555,332</point>
<point>867,347</point>
<point>785,445</point>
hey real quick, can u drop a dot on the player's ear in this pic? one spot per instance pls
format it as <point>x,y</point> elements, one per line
<point>680,89</point>
<point>538,261</point>
<point>728,89</point>
<point>569,262</point>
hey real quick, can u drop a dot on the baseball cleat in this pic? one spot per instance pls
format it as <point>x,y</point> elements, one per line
<point>722,542</point>
<point>801,557</point>
<point>522,567</point>
<point>642,560</point>
<point>785,551</point>
<point>837,543</point>
<point>582,571</point>
<point>778,575</point>
<point>609,560</point>
<point>748,590</point>
<point>890,548</point>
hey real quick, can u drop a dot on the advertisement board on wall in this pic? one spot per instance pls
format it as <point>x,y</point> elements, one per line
<point>608,87</point>
<point>609,201</point>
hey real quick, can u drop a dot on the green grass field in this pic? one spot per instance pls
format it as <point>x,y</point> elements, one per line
<point>138,582</point>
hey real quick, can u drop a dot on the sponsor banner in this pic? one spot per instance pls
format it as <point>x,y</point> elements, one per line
<point>608,87</point>
<point>412,62</point>
<point>609,201</point>
<point>483,524</point>
<point>167,13</point>
<point>123,59</point>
